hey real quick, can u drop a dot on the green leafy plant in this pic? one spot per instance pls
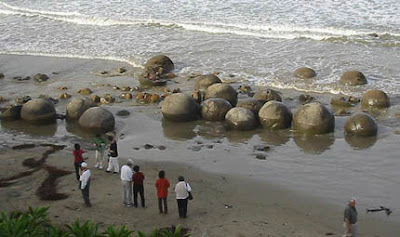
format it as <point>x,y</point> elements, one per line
<point>122,231</point>
<point>87,229</point>
<point>172,231</point>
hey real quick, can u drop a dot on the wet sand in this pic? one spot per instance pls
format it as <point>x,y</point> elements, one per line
<point>259,208</point>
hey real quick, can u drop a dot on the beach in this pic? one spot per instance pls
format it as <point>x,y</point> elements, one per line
<point>235,194</point>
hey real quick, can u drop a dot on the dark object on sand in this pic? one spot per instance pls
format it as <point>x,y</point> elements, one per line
<point>381,208</point>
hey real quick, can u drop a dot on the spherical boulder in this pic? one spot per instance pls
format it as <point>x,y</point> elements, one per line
<point>38,111</point>
<point>314,118</point>
<point>160,61</point>
<point>304,72</point>
<point>241,119</point>
<point>215,109</point>
<point>250,104</point>
<point>375,99</point>
<point>353,78</point>
<point>97,119</point>
<point>203,82</point>
<point>223,91</point>
<point>77,107</point>
<point>267,95</point>
<point>361,124</point>
<point>275,115</point>
<point>180,107</point>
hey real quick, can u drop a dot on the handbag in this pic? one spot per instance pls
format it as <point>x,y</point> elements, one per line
<point>190,194</point>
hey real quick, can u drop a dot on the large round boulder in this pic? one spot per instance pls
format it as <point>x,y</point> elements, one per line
<point>275,115</point>
<point>375,99</point>
<point>203,82</point>
<point>241,119</point>
<point>97,119</point>
<point>215,109</point>
<point>157,67</point>
<point>353,78</point>
<point>361,124</point>
<point>223,91</point>
<point>267,95</point>
<point>38,111</point>
<point>304,72</point>
<point>180,107</point>
<point>314,118</point>
<point>250,104</point>
<point>77,107</point>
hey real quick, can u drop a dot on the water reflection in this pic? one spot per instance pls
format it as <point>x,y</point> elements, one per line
<point>28,128</point>
<point>275,137</point>
<point>315,144</point>
<point>212,129</point>
<point>360,143</point>
<point>178,130</point>
<point>237,136</point>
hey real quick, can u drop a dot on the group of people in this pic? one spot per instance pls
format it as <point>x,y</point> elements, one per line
<point>131,178</point>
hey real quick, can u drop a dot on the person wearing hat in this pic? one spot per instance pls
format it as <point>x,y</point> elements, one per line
<point>182,190</point>
<point>84,183</point>
<point>350,219</point>
<point>126,181</point>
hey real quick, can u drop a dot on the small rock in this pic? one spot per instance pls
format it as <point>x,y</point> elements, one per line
<point>116,88</point>
<point>125,88</point>
<point>161,147</point>
<point>123,113</point>
<point>40,77</point>
<point>23,100</point>
<point>127,96</point>
<point>85,91</point>
<point>136,88</point>
<point>21,78</point>
<point>210,146</point>
<point>1,75</point>
<point>103,72</point>
<point>61,88</point>
<point>61,116</point>
<point>245,89</point>
<point>95,98</point>
<point>107,99</point>
<point>65,96</point>
<point>261,157</point>
<point>195,148</point>
<point>2,99</point>
<point>148,146</point>
<point>121,70</point>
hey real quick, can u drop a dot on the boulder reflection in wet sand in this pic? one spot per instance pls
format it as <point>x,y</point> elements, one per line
<point>314,143</point>
<point>237,136</point>
<point>211,130</point>
<point>74,128</point>
<point>360,143</point>
<point>275,137</point>
<point>32,129</point>
<point>181,131</point>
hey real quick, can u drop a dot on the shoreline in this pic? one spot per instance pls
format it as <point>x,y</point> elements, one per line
<point>279,211</point>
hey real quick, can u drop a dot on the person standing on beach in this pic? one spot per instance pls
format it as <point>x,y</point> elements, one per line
<point>350,219</point>
<point>182,190</point>
<point>78,158</point>
<point>100,144</point>
<point>138,187</point>
<point>126,181</point>
<point>162,185</point>
<point>84,183</point>
<point>113,155</point>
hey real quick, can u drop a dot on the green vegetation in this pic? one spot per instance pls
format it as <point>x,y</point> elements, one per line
<point>35,223</point>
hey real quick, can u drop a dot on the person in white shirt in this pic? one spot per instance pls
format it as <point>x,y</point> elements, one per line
<point>126,181</point>
<point>84,183</point>
<point>182,190</point>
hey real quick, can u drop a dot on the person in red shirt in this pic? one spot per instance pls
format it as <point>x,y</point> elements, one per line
<point>137,179</point>
<point>78,158</point>
<point>162,185</point>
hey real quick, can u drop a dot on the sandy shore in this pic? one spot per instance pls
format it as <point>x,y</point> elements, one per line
<point>258,208</point>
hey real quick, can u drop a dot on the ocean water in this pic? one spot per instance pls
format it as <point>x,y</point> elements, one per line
<point>260,41</point>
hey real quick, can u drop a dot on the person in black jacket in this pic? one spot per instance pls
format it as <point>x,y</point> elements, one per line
<point>113,163</point>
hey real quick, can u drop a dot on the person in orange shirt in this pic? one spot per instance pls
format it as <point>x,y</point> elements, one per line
<point>162,185</point>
